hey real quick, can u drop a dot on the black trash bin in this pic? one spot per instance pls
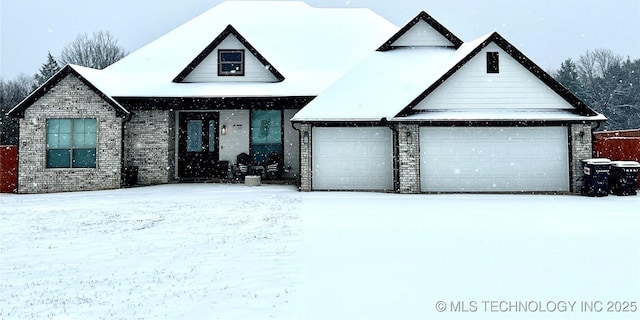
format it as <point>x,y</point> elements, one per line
<point>623,178</point>
<point>595,180</point>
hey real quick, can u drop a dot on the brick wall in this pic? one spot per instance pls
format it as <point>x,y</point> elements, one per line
<point>150,145</point>
<point>305,159</point>
<point>580,149</point>
<point>70,98</point>
<point>409,157</point>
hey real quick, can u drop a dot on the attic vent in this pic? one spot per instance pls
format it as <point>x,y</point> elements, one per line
<point>493,62</point>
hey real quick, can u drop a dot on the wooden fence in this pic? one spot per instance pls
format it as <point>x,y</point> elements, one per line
<point>8,169</point>
<point>618,145</point>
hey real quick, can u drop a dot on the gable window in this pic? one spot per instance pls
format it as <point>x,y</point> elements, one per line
<point>71,143</point>
<point>231,62</point>
<point>493,62</point>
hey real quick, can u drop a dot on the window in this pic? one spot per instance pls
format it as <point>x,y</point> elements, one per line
<point>194,136</point>
<point>71,143</point>
<point>266,133</point>
<point>231,62</point>
<point>493,63</point>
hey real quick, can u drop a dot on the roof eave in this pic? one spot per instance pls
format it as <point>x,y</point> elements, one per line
<point>422,16</point>
<point>499,121</point>
<point>229,30</point>
<point>538,72</point>
<point>19,109</point>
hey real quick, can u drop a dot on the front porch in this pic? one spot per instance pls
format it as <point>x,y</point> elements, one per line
<point>199,140</point>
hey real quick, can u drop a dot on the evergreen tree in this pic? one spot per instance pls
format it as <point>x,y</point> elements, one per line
<point>568,76</point>
<point>11,93</point>
<point>607,83</point>
<point>47,70</point>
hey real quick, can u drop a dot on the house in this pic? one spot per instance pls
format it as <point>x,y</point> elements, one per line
<point>184,106</point>
<point>350,102</point>
<point>426,112</point>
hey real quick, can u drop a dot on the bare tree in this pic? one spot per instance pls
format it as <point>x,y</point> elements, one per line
<point>608,83</point>
<point>97,51</point>
<point>11,93</point>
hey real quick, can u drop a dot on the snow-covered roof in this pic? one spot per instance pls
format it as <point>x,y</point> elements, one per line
<point>380,87</point>
<point>384,83</point>
<point>435,33</point>
<point>310,47</point>
<point>526,115</point>
<point>387,85</point>
<point>88,76</point>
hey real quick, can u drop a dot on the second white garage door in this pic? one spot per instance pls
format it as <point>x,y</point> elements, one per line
<point>352,158</point>
<point>494,159</point>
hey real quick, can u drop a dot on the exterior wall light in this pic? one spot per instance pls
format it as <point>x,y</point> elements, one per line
<point>223,130</point>
<point>305,137</point>
<point>409,138</point>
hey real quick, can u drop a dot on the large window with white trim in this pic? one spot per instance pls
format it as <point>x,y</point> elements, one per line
<point>71,143</point>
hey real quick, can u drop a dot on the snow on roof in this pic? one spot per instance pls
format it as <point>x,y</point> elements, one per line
<point>87,75</point>
<point>384,83</point>
<point>499,115</point>
<point>380,87</point>
<point>92,75</point>
<point>388,82</point>
<point>310,46</point>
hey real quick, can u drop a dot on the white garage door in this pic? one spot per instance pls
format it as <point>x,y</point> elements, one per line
<point>352,159</point>
<point>494,159</point>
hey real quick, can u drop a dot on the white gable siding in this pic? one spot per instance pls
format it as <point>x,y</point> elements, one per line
<point>422,35</point>
<point>514,87</point>
<point>207,70</point>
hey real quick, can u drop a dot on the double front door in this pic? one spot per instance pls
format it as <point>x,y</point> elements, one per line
<point>198,152</point>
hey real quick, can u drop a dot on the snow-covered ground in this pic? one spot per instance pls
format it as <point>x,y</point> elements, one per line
<point>207,251</point>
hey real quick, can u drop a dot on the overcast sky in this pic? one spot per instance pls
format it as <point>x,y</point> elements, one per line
<point>548,31</point>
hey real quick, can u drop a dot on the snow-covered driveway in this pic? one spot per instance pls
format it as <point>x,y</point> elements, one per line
<point>207,251</point>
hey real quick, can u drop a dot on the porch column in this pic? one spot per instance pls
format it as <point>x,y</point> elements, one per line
<point>580,150</point>
<point>306,171</point>
<point>409,157</point>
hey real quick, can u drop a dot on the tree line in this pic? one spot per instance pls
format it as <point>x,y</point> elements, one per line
<point>98,51</point>
<point>605,81</point>
<point>608,83</point>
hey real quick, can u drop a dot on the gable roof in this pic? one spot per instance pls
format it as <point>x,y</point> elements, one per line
<point>310,47</point>
<point>472,50</point>
<point>380,86</point>
<point>79,72</point>
<point>387,85</point>
<point>422,16</point>
<point>229,30</point>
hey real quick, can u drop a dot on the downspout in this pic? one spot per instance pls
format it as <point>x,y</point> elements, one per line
<point>125,119</point>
